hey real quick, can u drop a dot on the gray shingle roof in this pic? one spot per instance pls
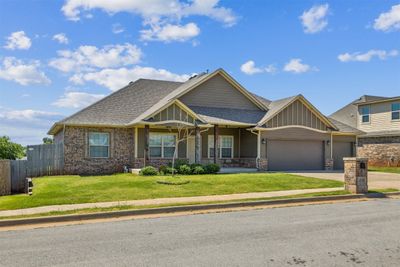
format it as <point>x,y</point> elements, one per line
<point>228,115</point>
<point>124,105</point>
<point>369,98</point>
<point>342,127</point>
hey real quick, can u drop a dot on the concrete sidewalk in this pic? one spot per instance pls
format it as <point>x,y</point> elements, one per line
<point>161,201</point>
<point>376,180</point>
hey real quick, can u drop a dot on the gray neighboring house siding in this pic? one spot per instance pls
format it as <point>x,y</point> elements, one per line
<point>378,139</point>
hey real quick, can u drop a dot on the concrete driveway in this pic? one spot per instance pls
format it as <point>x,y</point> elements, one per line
<point>376,180</point>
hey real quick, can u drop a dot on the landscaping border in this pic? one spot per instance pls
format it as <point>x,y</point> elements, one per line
<point>188,208</point>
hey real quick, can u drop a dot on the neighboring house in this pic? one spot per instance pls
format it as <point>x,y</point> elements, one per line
<point>137,126</point>
<point>379,120</point>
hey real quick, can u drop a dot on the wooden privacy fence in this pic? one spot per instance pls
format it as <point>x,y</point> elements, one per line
<point>47,159</point>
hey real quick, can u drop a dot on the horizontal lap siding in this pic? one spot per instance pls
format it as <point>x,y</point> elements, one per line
<point>217,92</point>
<point>380,118</point>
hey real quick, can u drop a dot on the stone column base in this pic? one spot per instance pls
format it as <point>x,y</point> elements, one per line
<point>262,164</point>
<point>328,164</point>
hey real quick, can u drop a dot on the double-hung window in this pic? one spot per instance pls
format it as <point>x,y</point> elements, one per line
<point>162,145</point>
<point>396,111</point>
<point>365,114</point>
<point>225,146</point>
<point>99,145</point>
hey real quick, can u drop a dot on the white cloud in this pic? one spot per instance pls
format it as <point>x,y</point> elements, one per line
<point>250,68</point>
<point>270,69</point>
<point>365,57</point>
<point>22,73</point>
<point>115,79</point>
<point>87,58</point>
<point>117,28</point>
<point>18,40</point>
<point>314,20</point>
<point>388,21</point>
<point>155,8</point>
<point>61,38</point>
<point>296,66</point>
<point>162,16</point>
<point>77,100</point>
<point>26,126</point>
<point>168,32</point>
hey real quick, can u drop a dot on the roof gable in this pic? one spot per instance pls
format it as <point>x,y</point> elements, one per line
<point>295,111</point>
<point>219,91</point>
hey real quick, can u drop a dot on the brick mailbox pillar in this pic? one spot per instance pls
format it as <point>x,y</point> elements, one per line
<point>356,175</point>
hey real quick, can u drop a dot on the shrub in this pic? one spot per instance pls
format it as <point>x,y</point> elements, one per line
<point>194,165</point>
<point>198,170</point>
<point>211,168</point>
<point>148,171</point>
<point>185,169</point>
<point>169,170</point>
<point>178,163</point>
<point>163,169</point>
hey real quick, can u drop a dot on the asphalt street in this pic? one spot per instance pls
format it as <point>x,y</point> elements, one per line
<point>342,234</point>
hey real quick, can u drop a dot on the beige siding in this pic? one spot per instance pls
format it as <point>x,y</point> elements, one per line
<point>217,92</point>
<point>380,118</point>
<point>297,114</point>
<point>173,112</point>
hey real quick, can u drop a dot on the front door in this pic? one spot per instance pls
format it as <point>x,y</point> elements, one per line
<point>191,149</point>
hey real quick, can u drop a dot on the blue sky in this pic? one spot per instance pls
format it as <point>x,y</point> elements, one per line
<point>58,56</point>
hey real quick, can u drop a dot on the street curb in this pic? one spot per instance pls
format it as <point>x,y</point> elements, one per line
<point>188,208</point>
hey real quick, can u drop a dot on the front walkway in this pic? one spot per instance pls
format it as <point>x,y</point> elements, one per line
<point>376,180</point>
<point>162,201</point>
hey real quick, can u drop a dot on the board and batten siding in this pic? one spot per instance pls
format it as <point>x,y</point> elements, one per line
<point>217,92</point>
<point>297,114</point>
<point>173,112</point>
<point>380,118</point>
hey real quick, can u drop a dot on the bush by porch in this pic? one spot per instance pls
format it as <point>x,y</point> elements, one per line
<point>55,190</point>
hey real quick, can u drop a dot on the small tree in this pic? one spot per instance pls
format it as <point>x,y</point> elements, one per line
<point>10,150</point>
<point>47,140</point>
<point>183,134</point>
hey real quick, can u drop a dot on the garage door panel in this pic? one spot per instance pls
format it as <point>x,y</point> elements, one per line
<point>294,155</point>
<point>340,151</point>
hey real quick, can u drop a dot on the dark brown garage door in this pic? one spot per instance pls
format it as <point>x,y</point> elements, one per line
<point>284,155</point>
<point>340,151</point>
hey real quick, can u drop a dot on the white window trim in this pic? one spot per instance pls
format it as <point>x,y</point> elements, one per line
<point>393,111</point>
<point>162,144</point>
<point>362,115</point>
<point>211,145</point>
<point>108,146</point>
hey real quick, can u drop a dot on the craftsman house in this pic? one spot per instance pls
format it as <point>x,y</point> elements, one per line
<point>223,123</point>
<point>378,119</point>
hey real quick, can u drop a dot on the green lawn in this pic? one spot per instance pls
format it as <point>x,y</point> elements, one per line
<point>385,169</point>
<point>83,189</point>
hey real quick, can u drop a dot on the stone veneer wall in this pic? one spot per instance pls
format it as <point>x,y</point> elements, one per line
<point>155,162</point>
<point>381,151</point>
<point>76,156</point>
<point>232,163</point>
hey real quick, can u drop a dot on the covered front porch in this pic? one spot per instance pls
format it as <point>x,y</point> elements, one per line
<point>226,145</point>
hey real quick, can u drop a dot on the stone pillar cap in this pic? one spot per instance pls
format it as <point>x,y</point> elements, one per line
<point>355,158</point>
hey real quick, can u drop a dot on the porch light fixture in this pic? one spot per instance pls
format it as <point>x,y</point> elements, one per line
<point>328,142</point>
<point>263,141</point>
